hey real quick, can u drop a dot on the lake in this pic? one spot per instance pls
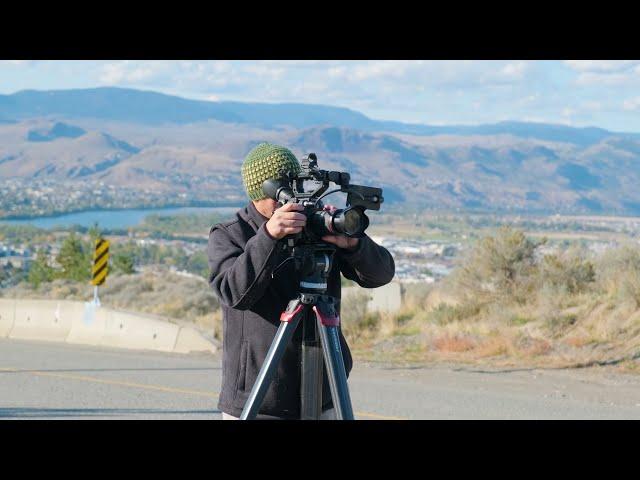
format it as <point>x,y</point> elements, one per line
<point>114,218</point>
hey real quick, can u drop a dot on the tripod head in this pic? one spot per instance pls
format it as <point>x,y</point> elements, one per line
<point>313,261</point>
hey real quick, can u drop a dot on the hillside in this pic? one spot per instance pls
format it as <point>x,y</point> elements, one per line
<point>192,151</point>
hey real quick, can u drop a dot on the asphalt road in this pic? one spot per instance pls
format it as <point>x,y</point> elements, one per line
<point>58,381</point>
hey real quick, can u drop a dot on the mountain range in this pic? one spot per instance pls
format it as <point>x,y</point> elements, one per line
<point>132,138</point>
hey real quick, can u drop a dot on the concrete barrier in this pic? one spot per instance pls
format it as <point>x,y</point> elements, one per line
<point>128,330</point>
<point>189,340</point>
<point>86,324</point>
<point>48,320</point>
<point>385,298</point>
<point>88,328</point>
<point>7,315</point>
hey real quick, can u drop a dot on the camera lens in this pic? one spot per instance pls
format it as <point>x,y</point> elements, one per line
<point>351,222</point>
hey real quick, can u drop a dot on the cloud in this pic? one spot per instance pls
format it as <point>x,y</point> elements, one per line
<point>134,73</point>
<point>605,72</point>
<point>19,63</point>
<point>514,70</point>
<point>631,104</point>
<point>601,66</point>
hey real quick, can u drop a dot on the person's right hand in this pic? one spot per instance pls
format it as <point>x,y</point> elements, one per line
<point>286,220</point>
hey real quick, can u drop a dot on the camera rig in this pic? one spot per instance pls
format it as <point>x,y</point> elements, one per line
<point>350,221</point>
<point>313,307</point>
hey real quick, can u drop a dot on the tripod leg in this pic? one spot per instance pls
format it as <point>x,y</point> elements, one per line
<point>311,378</point>
<point>288,322</point>
<point>328,322</point>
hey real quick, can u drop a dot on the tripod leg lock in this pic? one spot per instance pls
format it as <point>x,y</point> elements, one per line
<point>327,314</point>
<point>294,307</point>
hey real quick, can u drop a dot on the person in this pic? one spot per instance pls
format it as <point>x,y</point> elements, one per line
<point>243,254</point>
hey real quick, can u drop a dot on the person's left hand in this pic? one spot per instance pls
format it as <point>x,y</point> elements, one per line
<point>340,241</point>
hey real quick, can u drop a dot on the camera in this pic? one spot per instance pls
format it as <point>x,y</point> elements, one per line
<point>350,221</point>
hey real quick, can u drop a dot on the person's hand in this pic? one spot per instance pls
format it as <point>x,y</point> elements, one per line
<point>286,220</point>
<point>347,243</point>
<point>340,241</point>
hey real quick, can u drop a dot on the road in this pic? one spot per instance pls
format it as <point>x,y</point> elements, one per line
<point>56,381</point>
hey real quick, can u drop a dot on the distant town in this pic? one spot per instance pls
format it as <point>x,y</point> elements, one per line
<point>415,260</point>
<point>44,197</point>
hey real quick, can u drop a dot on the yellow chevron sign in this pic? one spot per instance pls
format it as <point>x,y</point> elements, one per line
<point>100,259</point>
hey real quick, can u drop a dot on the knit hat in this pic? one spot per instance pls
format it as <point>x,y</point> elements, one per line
<point>264,162</point>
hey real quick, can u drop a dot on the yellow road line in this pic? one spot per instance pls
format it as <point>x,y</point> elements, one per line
<point>145,386</point>
<point>160,388</point>
<point>378,417</point>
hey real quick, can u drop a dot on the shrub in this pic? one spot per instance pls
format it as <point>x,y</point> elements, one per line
<point>569,271</point>
<point>356,322</point>
<point>40,271</point>
<point>618,274</point>
<point>444,314</point>
<point>498,268</point>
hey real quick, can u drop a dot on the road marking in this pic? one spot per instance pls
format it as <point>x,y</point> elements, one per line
<point>160,388</point>
<point>379,417</point>
<point>83,378</point>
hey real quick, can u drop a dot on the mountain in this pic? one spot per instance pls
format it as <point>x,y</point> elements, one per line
<point>145,146</point>
<point>128,105</point>
<point>58,130</point>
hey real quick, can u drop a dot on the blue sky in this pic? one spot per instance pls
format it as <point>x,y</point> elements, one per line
<point>579,93</point>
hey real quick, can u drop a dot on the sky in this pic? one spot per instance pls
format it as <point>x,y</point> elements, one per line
<point>598,93</point>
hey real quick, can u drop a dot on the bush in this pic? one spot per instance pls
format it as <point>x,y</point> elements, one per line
<point>123,263</point>
<point>40,270</point>
<point>570,272</point>
<point>498,268</point>
<point>355,321</point>
<point>444,314</point>
<point>618,274</point>
<point>414,295</point>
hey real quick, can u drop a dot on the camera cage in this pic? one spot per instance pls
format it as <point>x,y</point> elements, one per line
<point>357,195</point>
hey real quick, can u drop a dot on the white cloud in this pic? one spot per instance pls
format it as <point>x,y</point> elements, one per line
<point>605,72</point>
<point>133,72</point>
<point>514,70</point>
<point>631,104</point>
<point>601,66</point>
<point>18,63</point>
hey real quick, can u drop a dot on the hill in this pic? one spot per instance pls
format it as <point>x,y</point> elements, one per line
<point>191,151</point>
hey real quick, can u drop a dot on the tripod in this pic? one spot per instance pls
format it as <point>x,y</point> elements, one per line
<point>314,261</point>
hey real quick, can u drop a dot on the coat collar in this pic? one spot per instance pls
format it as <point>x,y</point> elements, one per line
<point>252,216</point>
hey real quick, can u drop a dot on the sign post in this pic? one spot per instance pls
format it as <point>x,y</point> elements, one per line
<point>100,267</point>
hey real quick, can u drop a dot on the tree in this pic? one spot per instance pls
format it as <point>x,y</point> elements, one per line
<point>123,262</point>
<point>198,264</point>
<point>73,258</point>
<point>40,271</point>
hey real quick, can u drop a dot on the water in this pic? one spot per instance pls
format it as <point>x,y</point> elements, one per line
<point>114,218</point>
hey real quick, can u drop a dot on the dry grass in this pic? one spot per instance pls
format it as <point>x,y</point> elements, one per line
<point>453,343</point>
<point>506,304</point>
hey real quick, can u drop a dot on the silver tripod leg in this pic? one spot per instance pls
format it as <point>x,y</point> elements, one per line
<point>289,320</point>
<point>328,322</point>
<point>311,372</point>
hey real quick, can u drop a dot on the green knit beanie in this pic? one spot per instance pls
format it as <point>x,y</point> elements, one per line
<point>264,162</point>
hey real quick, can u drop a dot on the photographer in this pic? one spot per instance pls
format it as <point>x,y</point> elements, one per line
<point>243,254</point>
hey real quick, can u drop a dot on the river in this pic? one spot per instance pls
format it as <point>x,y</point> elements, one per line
<point>113,218</point>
